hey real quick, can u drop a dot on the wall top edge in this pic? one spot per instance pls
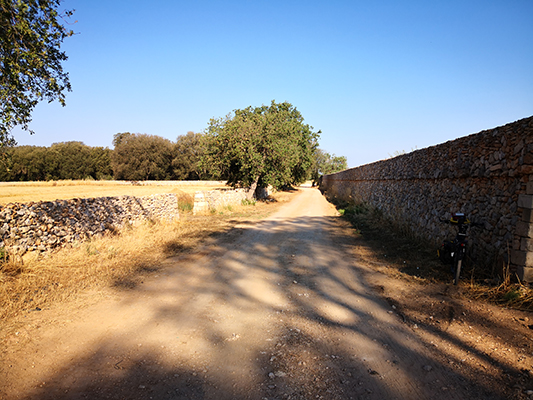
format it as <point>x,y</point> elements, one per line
<point>487,138</point>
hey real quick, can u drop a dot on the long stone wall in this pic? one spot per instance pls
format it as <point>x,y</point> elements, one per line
<point>488,176</point>
<point>45,225</point>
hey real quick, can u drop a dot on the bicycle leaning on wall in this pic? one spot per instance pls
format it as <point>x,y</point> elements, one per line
<point>453,251</point>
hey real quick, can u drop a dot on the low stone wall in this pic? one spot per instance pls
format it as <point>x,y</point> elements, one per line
<point>488,176</point>
<point>45,225</point>
<point>205,201</point>
<point>177,183</point>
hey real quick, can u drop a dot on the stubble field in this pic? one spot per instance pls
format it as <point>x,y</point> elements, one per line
<point>24,192</point>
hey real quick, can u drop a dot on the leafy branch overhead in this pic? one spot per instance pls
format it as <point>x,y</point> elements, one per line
<point>261,146</point>
<point>31,34</point>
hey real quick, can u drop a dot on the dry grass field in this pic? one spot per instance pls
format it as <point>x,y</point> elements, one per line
<point>24,192</point>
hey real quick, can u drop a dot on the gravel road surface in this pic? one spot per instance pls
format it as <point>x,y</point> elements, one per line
<point>276,309</point>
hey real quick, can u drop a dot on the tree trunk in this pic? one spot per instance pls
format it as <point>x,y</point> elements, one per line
<point>251,192</point>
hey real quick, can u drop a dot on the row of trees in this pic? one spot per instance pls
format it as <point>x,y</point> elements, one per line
<point>136,157</point>
<point>70,160</point>
<point>149,157</point>
<point>267,145</point>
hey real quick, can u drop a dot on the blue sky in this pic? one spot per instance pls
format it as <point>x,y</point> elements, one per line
<point>374,76</point>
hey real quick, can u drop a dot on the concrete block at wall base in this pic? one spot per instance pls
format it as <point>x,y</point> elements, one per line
<point>524,229</point>
<point>525,274</point>
<point>523,258</point>
<point>525,201</point>
<point>200,203</point>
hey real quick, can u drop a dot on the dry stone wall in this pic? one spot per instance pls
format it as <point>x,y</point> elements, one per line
<point>488,176</point>
<point>45,225</point>
<point>205,201</point>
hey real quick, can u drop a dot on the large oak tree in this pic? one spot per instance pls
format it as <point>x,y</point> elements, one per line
<point>261,146</point>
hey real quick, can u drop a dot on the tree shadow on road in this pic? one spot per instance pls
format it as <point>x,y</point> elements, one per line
<point>276,310</point>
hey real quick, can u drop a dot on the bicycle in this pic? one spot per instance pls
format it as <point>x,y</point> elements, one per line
<point>453,251</point>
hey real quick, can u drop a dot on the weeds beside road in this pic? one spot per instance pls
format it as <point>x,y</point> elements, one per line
<point>416,259</point>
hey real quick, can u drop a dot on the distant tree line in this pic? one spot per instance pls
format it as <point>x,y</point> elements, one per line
<point>135,157</point>
<point>325,163</point>
<point>68,160</point>
<point>150,157</point>
<point>253,147</point>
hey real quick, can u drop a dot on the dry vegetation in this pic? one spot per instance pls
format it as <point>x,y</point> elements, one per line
<point>23,192</point>
<point>408,257</point>
<point>119,260</point>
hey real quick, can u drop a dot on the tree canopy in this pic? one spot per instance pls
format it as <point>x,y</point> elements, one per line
<point>65,160</point>
<point>141,157</point>
<point>31,35</point>
<point>325,163</point>
<point>261,146</point>
<point>187,154</point>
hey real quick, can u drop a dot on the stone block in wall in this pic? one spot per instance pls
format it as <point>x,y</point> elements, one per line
<point>522,258</point>
<point>525,201</point>
<point>524,229</point>
<point>263,192</point>
<point>526,169</point>
<point>525,274</point>
<point>527,215</point>
<point>213,199</point>
<point>529,188</point>
<point>200,203</point>
<point>526,244</point>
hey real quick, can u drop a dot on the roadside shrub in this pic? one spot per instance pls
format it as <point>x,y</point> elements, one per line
<point>353,209</point>
<point>356,209</point>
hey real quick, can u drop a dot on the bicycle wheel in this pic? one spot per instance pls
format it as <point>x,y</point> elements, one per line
<point>457,272</point>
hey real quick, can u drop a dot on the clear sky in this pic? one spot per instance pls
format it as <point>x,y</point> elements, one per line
<point>374,76</point>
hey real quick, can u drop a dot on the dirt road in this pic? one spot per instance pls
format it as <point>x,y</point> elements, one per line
<point>274,310</point>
